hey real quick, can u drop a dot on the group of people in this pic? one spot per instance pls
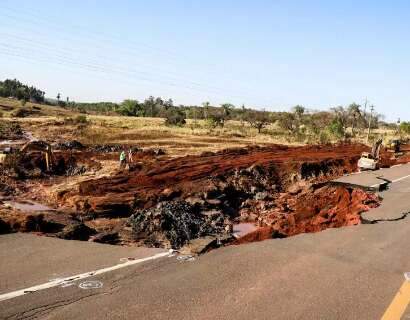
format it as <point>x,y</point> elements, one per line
<point>124,159</point>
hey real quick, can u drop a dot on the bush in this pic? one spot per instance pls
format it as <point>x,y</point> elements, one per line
<point>80,119</point>
<point>21,113</point>
<point>175,117</point>
<point>405,127</point>
<point>324,137</point>
<point>336,128</point>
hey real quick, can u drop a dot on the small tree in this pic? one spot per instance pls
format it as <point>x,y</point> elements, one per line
<point>175,117</point>
<point>354,116</point>
<point>288,122</point>
<point>130,108</point>
<point>337,128</point>
<point>298,111</point>
<point>342,116</point>
<point>258,120</point>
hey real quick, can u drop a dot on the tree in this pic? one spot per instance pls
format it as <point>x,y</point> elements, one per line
<point>258,120</point>
<point>130,108</point>
<point>16,89</point>
<point>206,106</point>
<point>299,111</point>
<point>288,122</point>
<point>317,121</point>
<point>242,113</point>
<point>405,127</point>
<point>354,115</point>
<point>175,117</point>
<point>226,112</point>
<point>337,128</point>
<point>342,116</point>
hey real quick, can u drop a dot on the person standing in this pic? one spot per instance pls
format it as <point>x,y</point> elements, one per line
<point>123,160</point>
<point>130,160</point>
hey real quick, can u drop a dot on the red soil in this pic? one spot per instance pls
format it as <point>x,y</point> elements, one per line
<point>327,207</point>
<point>191,174</point>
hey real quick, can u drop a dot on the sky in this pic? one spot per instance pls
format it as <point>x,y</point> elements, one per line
<point>265,54</point>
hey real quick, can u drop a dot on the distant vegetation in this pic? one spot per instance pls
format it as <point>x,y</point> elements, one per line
<point>300,124</point>
<point>20,91</point>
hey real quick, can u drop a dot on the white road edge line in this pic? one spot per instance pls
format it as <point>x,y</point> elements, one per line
<point>402,178</point>
<point>393,181</point>
<point>63,281</point>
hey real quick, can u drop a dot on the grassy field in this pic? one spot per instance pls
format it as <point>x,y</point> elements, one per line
<point>58,124</point>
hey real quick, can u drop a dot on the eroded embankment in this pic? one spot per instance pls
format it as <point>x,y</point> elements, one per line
<point>169,202</point>
<point>279,188</point>
<point>249,170</point>
<point>312,210</point>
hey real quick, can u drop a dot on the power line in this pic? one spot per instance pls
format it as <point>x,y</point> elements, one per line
<point>95,66</point>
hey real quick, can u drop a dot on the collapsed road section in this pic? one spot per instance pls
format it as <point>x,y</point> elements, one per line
<point>162,202</point>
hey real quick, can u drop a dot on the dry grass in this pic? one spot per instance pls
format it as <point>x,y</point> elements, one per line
<point>194,138</point>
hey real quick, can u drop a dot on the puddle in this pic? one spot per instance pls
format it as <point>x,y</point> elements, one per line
<point>242,229</point>
<point>11,142</point>
<point>27,206</point>
<point>27,137</point>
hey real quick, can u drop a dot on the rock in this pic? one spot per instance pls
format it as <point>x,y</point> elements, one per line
<point>76,231</point>
<point>4,227</point>
<point>254,189</point>
<point>278,235</point>
<point>198,246</point>
<point>212,193</point>
<point>69,145</point>
<point>169,194</point>
<point>106,237</point>
<point>261,195</point>
<point>212,213</point>
<point>195,201</point>
<point>214,202</point>
<point>299,187</point>
<point>229,228</point>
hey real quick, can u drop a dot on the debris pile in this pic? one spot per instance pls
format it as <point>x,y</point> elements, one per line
<point>106,148</point>
<point>173,224</point>
<point>69,145</point>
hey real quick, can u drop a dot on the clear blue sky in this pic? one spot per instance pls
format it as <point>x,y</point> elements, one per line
<point>265,54</point>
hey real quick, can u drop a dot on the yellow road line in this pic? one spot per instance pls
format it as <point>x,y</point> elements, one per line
<point>399,303</point>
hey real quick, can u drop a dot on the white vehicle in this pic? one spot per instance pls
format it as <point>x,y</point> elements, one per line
<point>370,160</point>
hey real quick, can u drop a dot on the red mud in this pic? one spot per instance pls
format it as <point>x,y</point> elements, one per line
<point>191,174</point>
<point>282,188</point>
<point>327,207</point>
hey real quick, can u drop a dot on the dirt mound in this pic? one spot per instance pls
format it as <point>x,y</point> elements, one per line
<point>219,173</point>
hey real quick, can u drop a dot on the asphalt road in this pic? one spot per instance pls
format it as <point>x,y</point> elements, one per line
<point>347,273</point>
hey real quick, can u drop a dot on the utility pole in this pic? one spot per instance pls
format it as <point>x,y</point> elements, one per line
<point>370,122</point>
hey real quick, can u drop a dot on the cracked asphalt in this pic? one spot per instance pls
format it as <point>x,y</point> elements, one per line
<point>346,273</point>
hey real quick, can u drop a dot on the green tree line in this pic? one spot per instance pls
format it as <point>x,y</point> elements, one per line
<point>18,90</point>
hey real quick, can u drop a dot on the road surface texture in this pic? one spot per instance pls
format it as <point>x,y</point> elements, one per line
<point>346,273</point>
